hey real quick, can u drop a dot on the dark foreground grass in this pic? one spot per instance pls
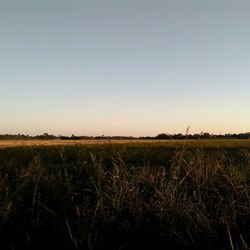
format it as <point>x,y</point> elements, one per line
<point>125,197</point>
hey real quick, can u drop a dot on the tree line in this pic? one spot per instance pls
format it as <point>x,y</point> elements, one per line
<point>162,136</point>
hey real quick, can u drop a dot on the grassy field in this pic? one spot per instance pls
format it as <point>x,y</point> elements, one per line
<point>125,194</point>
<point>217,143</point>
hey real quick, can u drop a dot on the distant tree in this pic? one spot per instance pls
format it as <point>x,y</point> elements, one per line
<point>163,136</point>
<point>206,135</point>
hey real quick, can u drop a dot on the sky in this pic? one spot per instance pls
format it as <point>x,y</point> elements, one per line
<point>124,67</point>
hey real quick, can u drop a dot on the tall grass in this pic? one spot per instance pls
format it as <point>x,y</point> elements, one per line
<point>124,198</point>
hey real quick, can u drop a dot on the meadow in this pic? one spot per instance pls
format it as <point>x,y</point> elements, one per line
<point>136,194</point>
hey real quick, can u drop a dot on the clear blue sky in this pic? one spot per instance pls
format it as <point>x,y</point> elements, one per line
<point>116,67</point>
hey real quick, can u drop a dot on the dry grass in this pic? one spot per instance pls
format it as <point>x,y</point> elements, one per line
<point>234,143</point>
<point>29,143</point>
<point>139,196</point>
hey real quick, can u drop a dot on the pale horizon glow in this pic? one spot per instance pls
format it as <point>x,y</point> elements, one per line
<point>128,68</point>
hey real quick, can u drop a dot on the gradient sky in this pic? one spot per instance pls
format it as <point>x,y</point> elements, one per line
<point>124,67</point>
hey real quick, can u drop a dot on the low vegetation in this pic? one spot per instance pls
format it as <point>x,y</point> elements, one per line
<point>127,196</point>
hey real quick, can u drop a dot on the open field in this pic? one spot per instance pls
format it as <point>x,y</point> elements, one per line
<point>31,143</point>
<point>125,194</point>
<point>234,143</point>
